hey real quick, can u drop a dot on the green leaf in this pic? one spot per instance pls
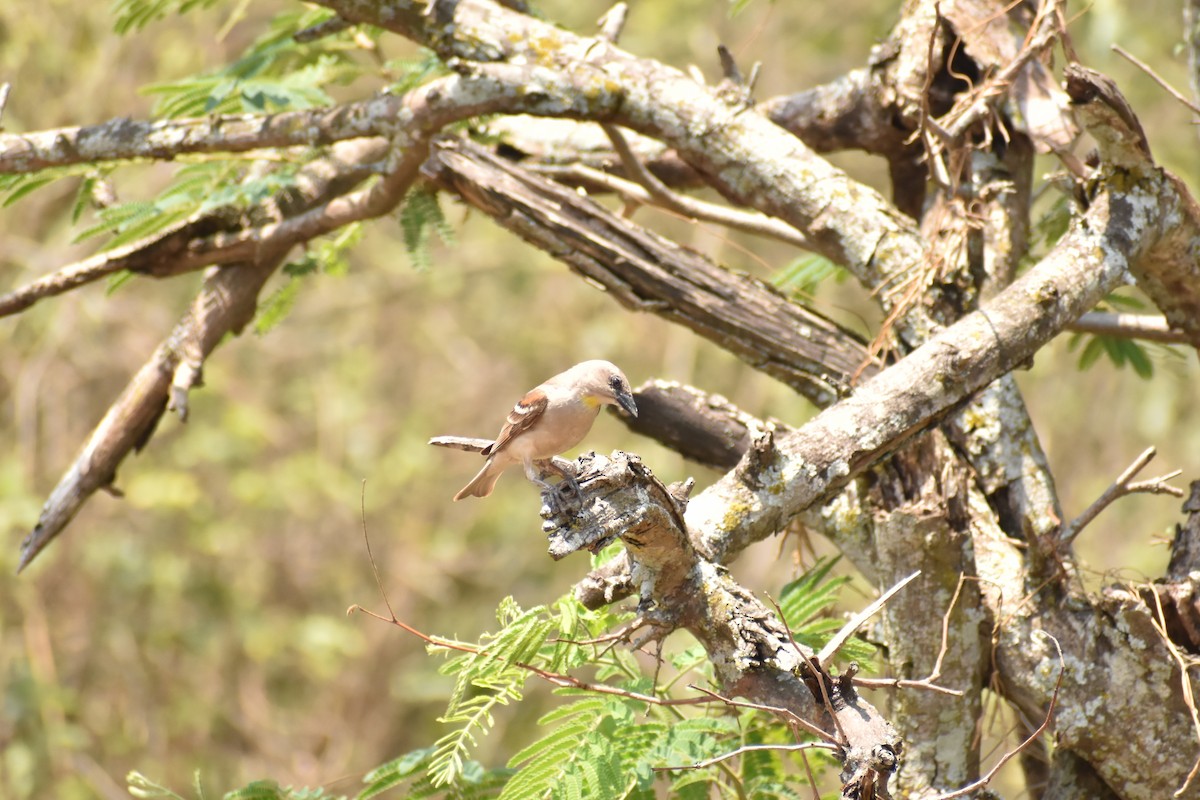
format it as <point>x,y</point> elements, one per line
<point>33,184</point>
<point>1139,360</point>
<point>1091,351</point>
<point>805,274</point>
<point>408,74</point>
<point>1122,302</point>
<point>275,73</point>
<point>117,280</point>
<point>1055,222</point>
<point>805,603</point>
<point>420,213</point>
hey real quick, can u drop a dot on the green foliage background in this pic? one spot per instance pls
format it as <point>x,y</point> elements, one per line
<point>199,623</point>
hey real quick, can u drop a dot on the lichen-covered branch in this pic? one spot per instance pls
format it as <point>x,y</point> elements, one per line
<point>751,650</point>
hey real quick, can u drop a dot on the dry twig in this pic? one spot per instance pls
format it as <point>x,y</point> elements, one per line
<point>858,620</point>
<point>662,195</point>
<point>1148,327</point>
<point>1144,67</point>
<point>928,681</point>
<point>1120,487</point>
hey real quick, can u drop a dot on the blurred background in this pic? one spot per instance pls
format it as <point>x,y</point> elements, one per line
<point>199,623</point>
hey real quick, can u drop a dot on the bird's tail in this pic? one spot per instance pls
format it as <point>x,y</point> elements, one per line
<point>483,483</point>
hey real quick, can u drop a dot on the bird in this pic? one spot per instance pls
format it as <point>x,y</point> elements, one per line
<point>551,419</point>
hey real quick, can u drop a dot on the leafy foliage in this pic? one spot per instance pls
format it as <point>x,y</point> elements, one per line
<point>804,275</point>
<point>1119,350</point>
<point>276,73</point>
<point>496,675</point>
<point>18,186</point>
<point>421,213</point>
<point>326,255</point>
<point>132,15</point>
<point>408,74</point>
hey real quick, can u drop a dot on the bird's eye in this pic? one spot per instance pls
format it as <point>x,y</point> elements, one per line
<point>615,382</point>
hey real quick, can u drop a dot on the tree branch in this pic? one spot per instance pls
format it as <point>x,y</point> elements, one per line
<point>752,651</point>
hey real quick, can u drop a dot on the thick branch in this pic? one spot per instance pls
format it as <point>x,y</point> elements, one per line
<point>751,650</point>
<point>645,272</point>
<point>746,157</point>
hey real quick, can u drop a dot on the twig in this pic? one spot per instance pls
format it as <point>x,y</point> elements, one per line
<point>662,195</point>
<point>928,681</point>
<point>1144,67</point>
<point>751,748</point>
<point>986,779</point>
<point>701,210</point>
<point>786,713</point>
<point>903,683</point>
<point>613,22</point>
<point>554,678</point>
<point>812,779</point>
<point>1121,487</point>
<point>1044,32</point>
<point>842,636</point>
<point>1129,326</point>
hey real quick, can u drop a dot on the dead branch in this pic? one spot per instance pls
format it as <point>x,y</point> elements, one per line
<point>660,194</point>
<point>645,272</point>
<point>1144,67</point>
<point>851,627</point>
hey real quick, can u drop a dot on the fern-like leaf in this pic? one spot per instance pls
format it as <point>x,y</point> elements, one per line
<point>420,214</point>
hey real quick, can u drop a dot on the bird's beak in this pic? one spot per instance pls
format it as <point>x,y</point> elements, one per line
<point>625,401</point>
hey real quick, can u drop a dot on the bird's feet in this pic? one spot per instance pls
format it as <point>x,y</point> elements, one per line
<point>566,496</point>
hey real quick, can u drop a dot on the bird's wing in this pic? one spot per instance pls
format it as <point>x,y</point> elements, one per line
<point>525,414</point>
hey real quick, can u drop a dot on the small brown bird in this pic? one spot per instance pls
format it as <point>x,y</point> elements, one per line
<point>551,419</point>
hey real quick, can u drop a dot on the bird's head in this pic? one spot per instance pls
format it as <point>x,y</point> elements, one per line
<point>605,384</point>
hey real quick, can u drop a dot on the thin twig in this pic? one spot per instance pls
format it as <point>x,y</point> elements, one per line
<point>812,779</point>
<point>1149,327</point>
<point>928,681</point>
<point>698,210</point>
<point>553,678</point>
<point>786,713</point>
<point>986,779</point>
<point>662,195</point>
<point>902,683</point>
<point>751,748</point>
<point>850,628</point>
<point>819,675</point>
<point>613,22</point>
<point>1144,67</point>
<point>5,88</point>
<point>1121,487</point>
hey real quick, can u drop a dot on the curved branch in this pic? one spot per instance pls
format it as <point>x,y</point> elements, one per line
<point>225,304</point>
